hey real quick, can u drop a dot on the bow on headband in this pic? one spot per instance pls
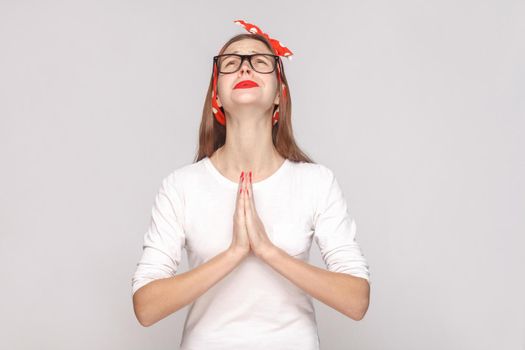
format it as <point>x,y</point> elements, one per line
<point>277,45</point>
<point>279,48</point>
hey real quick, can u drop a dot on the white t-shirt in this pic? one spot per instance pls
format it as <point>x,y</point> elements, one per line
<point>253,307</point>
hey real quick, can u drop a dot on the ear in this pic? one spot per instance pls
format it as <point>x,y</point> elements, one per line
<point>219,101</point>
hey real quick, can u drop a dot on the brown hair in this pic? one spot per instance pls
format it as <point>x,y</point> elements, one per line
<point>212,134</point>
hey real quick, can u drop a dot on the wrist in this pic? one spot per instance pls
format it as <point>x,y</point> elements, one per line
<point>268,253</point>
<point>237,253</point>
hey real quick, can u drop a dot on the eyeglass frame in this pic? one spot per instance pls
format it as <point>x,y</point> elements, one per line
<point>249,57</point>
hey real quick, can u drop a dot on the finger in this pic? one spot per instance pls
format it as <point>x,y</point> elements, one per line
<point>239,193</point>
<point>239,186</point>
<point>243,195</point>
<point>250,192</point>
<point>248,200</point>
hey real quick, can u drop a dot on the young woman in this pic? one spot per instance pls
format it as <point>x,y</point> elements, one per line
<point>247,211</point>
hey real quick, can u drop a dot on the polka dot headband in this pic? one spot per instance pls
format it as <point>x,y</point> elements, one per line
<point>279,48</point>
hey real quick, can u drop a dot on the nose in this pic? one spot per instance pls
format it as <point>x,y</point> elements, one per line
<point>245,65</point>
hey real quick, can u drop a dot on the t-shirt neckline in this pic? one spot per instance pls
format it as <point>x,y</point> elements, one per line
<point>227,182</point>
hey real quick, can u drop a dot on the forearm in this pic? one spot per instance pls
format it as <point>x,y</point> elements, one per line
<point>346,293</point>
<point>160,298</point>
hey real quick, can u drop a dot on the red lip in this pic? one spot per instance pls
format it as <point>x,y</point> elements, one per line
<point>245,84</point>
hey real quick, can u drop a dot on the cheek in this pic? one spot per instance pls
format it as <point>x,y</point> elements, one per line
<point>222,85</point>
<point>275,84</point>
<point>270,85</point>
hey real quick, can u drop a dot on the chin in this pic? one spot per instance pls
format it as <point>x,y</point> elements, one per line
<point>246,99</point>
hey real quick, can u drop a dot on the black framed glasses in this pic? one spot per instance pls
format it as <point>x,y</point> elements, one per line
<point>260,62</point>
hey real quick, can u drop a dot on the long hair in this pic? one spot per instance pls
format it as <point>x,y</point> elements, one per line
<point>212,134</point>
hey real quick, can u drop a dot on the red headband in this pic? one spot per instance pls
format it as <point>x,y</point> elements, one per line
<point>280,49</point>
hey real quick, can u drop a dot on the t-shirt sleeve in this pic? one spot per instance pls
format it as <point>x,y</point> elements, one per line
<point>335,230</point>
<point>164,238</point>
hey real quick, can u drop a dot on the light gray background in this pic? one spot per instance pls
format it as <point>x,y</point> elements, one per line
<point>417,106</point>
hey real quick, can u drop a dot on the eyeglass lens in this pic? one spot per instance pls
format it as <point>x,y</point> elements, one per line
<point>260,63</point>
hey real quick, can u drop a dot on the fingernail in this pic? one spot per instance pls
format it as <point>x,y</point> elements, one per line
<point>242,175</point>
<point>250,176</point>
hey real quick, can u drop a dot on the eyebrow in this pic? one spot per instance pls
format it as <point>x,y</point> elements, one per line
<point>237,51</point>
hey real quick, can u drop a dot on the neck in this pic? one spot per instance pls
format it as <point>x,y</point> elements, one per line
<point>248,146</point>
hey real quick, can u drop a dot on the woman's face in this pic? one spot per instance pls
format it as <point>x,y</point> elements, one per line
<point>259,98</point>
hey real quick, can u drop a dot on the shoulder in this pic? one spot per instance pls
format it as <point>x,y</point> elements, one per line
<point>178,178</point>
<point>316,173</point>
<point>186,170</point>
<point>319,180</point>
